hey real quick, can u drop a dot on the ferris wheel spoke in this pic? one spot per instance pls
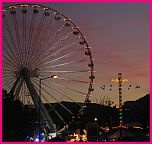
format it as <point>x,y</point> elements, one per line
<point>9,83</point>
<point>50,27</point>
<point>72,80</point>
<point>40,27</point>
<point>53,97</point>
<point>45,56</point>
<point>71,89</point>
<point>59,41</point>
<point>7,86</point>
<point>30,37</point>
<point>68,63</point>
<point>21,96</point>
<point>8,66</point>
<point>10,51</point>
<point>28,100</point>
<point>56,112</point>
<point>10,78</point>
<point>65,47</point>
<point>7,72</point>
<point>8,57</point>
<point>49,94</point>
<point>63,57</point>
<point>56,33</point>
<point>65,36</point>
<point>17,91</point>
<point>52,107</point>
<point>47,44</point>
<point>24,51</point>
<point>6,69</point>
<point>44,48</point>
<point>37,35</point>
<point>59,29</point>
<point>24,37</point>
<point>26,93</point>
<point>17,35</point>
<point>12,40</point>
<point>7,75</point>
<point>9,63</point>
<point>63,95</point>
<point>26,97</point>
<point>44,59</point>
<point>65,71</point>
<point>40,49</point>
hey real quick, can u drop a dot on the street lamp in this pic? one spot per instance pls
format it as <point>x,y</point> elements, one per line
<point>95,119</point>
<point>40,83</point>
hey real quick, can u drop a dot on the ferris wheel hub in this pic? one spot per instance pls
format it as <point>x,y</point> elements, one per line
<point>28,72</point>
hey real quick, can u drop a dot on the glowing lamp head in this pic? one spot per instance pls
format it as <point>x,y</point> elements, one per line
<point>54,76</point>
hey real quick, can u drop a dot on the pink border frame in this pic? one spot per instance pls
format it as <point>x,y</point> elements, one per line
<point>146,1</point>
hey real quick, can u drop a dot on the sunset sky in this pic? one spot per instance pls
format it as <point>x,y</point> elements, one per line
<point>119,36</point>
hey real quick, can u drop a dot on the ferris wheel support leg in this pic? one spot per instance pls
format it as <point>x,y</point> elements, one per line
<point>16,95</point>
<point>45,117</point>
<point>11,93</point>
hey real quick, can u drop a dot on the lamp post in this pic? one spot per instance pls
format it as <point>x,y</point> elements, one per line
<point>120,81</point>
<point>40,83</point>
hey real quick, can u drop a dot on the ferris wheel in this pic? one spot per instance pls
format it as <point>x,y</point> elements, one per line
<point>46,59</point>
